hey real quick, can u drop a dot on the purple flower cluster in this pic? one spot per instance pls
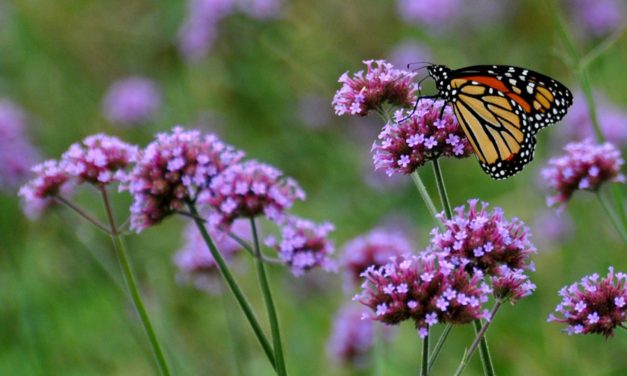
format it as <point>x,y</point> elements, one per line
<point>50,180</point>
<point>304,245</point>
<point>599,17</point>
<point>131,101</point>
<point>250,189</point>
<point>17,154</point>
<point>593,305</point>
<point>174,170</point>
<point>406,145</point>
<point>425,289</point>
<point>374,248</point>
<point>366,91</point>
<point>486,242</point>
<point>429,12</point>
<point>99,159</point>
<point>585,166</point>
<point>194,259</point>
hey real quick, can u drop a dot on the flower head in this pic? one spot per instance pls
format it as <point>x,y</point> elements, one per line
<point>17,154</point>
<point>479,240</point>
<point>374,248</point>
<point>194,259</point>
<point>174,170</point>
<point>406,145</point>
<point>99,159</point>
<point>368,91</point>
<point>599,17</point>
<point>304,245</point>
<point>131,100</point>
<point>424,290</point>
<point>585,166</point>
<point>511,285</point>
<point>430,13</point>
<point>250,189</point>
<point>50,180</point>
<point>593,305</point>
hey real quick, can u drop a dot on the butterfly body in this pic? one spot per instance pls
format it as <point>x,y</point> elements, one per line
<point>501,108</point>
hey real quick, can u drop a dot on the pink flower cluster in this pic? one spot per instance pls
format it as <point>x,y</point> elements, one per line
<point>304,245</point>
<point>425,289</point>
<point>249,189</point>
<point>99,159</point>
<point>374,248</point>
<point>131,100</point>
<point>50,180</point>
<point>594,305</point>
<point>405,145</point>
<point>381,83</point>
<point>585,166</point>
<point>173,171</point>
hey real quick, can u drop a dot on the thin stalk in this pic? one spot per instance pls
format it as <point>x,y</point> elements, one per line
<point>426,198</point>
<point>438,345</point>
<point>478,339</point>
<point>267,297</point>
<point>233,286</point>
<point>613,216</point>
<point>424,370</point>
<point>131,283</point>
<point>249,249</point>
<point>486,359</point>
<point>81,212</point>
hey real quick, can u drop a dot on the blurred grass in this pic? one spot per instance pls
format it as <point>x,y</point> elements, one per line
<point>62,311</point>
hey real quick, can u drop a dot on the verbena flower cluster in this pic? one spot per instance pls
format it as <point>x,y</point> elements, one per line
<point>425,289</point>
<point>594,305</point>
<point>481,241</point>
<point>599,17</point>
<point>50,180</point>
<point>99,159</point>
<point>404,146</point>
<point>194,259</point>
<point>173,171</point>
<point>250,189</point>
<point>585,166</point>
<point>304,245</point>
<point>17,154</point>
<point>380,83</point>
<point>374,248</point>
<point>132,100</point>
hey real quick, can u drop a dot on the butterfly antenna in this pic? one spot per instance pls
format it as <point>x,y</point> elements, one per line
<point>413,111</point>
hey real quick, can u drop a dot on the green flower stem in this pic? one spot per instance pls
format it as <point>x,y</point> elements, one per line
<point>267,297</point>
<point>424,370</point>
<point>81,212</point>
<point>613,216</point>
<point>426,198</point>
<point>129,277</point>
<point>438,345</point>
<point>486,359</point>
<point>233,286</point>
<point>479,339</point>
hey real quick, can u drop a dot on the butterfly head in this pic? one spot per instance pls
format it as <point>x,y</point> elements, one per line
<point>441,75</point>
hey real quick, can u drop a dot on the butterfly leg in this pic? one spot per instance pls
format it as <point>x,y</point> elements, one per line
<point>416,106</point>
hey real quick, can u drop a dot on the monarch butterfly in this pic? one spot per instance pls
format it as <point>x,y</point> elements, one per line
<point>500,109</point>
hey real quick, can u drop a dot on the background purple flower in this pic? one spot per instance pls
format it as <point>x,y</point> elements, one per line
<point>17,154</point>
<point>552,228</point>
<point>599,17</point>
<point>407,52</point>
<point>435,14</point>
<point>131,100</point>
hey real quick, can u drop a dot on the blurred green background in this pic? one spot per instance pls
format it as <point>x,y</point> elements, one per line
<point>265,86</point>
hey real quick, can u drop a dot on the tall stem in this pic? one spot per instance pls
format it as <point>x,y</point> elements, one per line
<point>486,359</point>
<point>614,218</point>
<point>425,197</point>
<point>438,345</point>
<point>81,212</point>
<point>233,286</point>
<point>129,277</point>
<point>267,297</point>
<point>424,371</point>
<point>478,339</point>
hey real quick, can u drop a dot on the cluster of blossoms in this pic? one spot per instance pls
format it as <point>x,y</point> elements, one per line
<point>586,166</point>
<point>430,13</point>
<point>374,248</point>
<point>99,160</point>
<point>404,146</point>
<point>131,101</point>
<point>194,259</point>
<point>304,245</point>
<point>173,171</point>
<point>594,305</point>
<point>199,29</point>
<point>17,154</point>
<point>599,17</point>
<point>426,289</point>
<point>486,242</point>
<point>366,91</point>
<point>250,189</point>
